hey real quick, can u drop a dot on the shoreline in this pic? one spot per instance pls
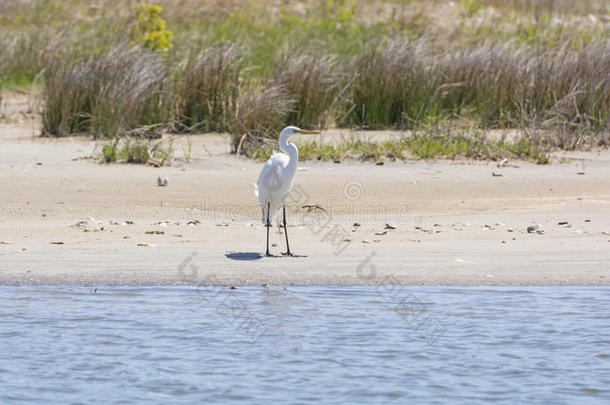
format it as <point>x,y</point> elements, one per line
<point>473,255</point>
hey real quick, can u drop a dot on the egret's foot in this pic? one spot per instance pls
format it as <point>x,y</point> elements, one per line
<point>290,254</point>
<point>269,255</point>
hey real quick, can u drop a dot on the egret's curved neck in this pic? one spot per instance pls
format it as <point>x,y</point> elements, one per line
<point>292,151</point>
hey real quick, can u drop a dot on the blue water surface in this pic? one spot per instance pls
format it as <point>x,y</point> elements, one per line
<point>327,345</point>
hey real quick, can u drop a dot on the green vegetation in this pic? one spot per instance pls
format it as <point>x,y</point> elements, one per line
<point>187,151</point>
<point>542,66</point>
<point>136,150</point>
<point>431,143</point>
<point>150,30</point>
<point>109,153</point>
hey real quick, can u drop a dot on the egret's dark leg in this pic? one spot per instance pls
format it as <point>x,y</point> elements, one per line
<point>286,233</point>
<point>268,225</point>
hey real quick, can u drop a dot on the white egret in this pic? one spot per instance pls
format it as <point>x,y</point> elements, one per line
<point>275,181</point>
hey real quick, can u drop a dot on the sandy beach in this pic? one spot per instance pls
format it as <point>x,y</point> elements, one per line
<point>67,219</point>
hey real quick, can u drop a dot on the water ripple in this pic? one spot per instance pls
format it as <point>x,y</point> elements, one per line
<point>305,344</point>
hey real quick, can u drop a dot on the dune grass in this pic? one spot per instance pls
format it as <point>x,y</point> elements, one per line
<point>207,91</point>
<point>260,115</point>
<point>253,67</point>
<point>107,95</point>
<point>316,84</point>
<point>498,85</point>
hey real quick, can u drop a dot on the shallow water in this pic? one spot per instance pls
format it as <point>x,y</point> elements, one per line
<point>305,344</point>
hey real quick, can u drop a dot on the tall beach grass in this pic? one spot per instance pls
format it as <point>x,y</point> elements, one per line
<point>497,85</point>
<point>208,89</point>
<point>107,95</point>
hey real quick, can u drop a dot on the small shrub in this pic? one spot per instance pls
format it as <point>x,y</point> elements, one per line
<point>150,30</point>
<point>137,151</point>
<point>109,153</point>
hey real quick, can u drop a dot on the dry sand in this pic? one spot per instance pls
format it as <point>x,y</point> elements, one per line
<point>456,223</point>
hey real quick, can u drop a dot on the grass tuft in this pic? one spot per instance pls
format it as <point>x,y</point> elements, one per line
<point>208,89</point>
<point>261,115</point>
<point>137,150</point>
<point>394,87</point>
<point>315,83</point>
<point>107,95</point>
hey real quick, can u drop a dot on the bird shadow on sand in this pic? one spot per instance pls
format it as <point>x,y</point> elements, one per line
<point>244,256</point>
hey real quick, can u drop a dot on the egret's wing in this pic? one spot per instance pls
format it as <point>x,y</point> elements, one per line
<point>273,180</point>
<point>270,181</point>
<point>270,178</point>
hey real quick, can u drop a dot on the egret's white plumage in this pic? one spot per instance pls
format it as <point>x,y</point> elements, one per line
<point>270,187</point>
<point>277,176</point>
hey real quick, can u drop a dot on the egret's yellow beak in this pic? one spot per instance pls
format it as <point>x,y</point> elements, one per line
<point>306,132</point>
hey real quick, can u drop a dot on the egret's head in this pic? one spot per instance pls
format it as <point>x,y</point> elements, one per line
<point>290,131</point>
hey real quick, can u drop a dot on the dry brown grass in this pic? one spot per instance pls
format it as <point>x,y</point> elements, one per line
<point>499,85</point>
<point>107,95</point>
<point>315,83</point>
<point>208,90</point>
<point>260,115</point>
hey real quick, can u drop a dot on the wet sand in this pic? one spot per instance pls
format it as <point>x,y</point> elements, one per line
<point>63,219</point>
